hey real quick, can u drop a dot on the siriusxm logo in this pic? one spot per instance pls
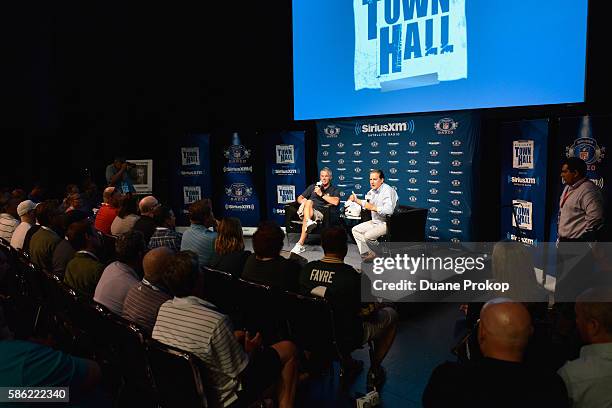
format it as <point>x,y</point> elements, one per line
<point>412,171</point>
<point>522,154</point>
<point>433,181</point>
<point>280,211</point>
<point>331,131</point>
<point>433,153</point>
<point>446,126</point>
<point>412,162</point>
<point>412,180</point>
<point>379,128</point>
<point>456,163</point>
<point>523,211</point>
<point>191,194</point>
<point>285,194</point>
<point>433,143</point>
<point>455,183</point>
<point>340,153</point>
<point>190,156</point>
<point>523,180</point>
<point>412,190</point>
<point>434,201</point>
<point>433,172</point>
<point>284,154</point>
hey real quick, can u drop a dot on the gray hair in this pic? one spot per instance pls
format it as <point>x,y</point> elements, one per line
<point>328,170</point>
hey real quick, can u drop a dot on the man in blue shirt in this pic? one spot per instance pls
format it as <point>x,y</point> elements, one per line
<point>381,201</point>
<point>120,175</point>
<point>200,237</point>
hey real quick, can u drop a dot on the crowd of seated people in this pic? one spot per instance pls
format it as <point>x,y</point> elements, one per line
<point>151,281</point>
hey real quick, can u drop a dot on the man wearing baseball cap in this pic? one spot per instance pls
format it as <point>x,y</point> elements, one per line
<point>25,211</point>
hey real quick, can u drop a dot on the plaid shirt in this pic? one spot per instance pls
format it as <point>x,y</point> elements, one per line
<point>166,237</point>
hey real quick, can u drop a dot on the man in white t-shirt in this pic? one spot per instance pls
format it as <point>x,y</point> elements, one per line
<point>25,211</point>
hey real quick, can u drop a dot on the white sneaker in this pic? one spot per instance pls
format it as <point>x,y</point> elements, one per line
<point>298,248</point>
<point>310,226</point>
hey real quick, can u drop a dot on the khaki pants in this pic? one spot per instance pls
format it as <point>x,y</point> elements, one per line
<point>367,233</point>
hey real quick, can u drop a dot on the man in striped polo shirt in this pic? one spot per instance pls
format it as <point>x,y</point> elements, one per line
<point>237,366</point>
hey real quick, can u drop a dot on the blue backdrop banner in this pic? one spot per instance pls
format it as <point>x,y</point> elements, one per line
<point>285,171</point>
<point>240,197</point>
<point>427,158</point>
<point>584,137</point>
<point>523,181</point>
<point>192,175</point>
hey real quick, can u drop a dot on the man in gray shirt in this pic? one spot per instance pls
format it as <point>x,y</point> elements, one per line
<point>581,205</point>
<point>381,200</point>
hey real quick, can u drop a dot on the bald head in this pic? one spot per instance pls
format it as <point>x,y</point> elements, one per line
<point>107,194</point>
<point>594,315</point>
<point>155,262</point>
<point>148,205</point>
<point>504,330</point>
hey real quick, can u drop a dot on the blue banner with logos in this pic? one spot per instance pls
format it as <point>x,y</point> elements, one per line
<point>240,198</point>
<point>523,179</point>
<point>192,180</point>
<point>285,171</point>
<point>585,137</point>
<point>428,159</point>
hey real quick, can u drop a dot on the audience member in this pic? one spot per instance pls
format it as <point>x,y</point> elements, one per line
<point>340,283</point>
<point>45,240</point>
<point>146,224</point>
<point>121,275</point>
<point>266,265</point>
<point>501,379</point>
<point>64,251</point>
<point>126,217</point>
<point>25,211</point>
<point>230,255</point>
<point>30,364</point>
<point>8,219</point>
<point>238,375</point>
<point>70,189</point>
<point>37,194</point>
<point>119,174</point>
<point>200,237</point>
<point>83,271</point>
<point>165,234</point>
<point>588,378</point>
<point>107,213</point>
<point>144,299</point>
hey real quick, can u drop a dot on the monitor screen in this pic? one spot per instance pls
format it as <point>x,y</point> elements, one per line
<point>376,57</point>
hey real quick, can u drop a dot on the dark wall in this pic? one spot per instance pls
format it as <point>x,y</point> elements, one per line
<point>82,81</point>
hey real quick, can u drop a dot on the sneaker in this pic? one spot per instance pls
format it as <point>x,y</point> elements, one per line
<point>310,226</point>
<point>298,248</point>
<point>376,378</point>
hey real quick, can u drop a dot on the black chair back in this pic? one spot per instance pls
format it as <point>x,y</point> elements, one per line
<point>407,224</point>
<point>219,288</point>
<point>261,310</point>
<point>311,324</point>
<point>108,244</point>
<point>177,376</point>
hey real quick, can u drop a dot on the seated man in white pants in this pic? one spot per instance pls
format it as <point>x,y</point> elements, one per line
<point>381,200</point>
